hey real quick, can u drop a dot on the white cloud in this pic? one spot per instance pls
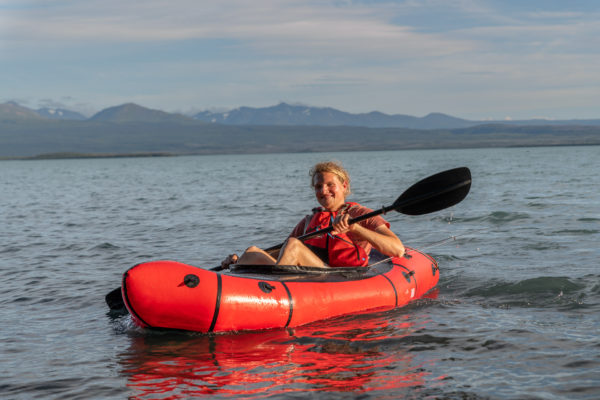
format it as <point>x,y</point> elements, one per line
<point>276,27</point>
<point>396,56</point>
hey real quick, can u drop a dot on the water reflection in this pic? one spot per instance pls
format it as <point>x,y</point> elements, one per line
<point>358,354</point>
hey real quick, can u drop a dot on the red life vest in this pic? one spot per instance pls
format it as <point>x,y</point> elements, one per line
<point>341,250</point>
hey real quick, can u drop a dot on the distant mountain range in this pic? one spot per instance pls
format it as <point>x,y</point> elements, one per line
<point>286,114</point>
<point>60,113</point>
<point>133,113</point>
<point>13,112</point>
<point>130,129</point>
<point>282,114</point>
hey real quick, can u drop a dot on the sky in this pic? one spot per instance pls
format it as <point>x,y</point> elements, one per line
<point>473,59</point>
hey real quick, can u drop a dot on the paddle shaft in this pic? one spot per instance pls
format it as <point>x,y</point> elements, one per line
<point>323,231</point>
<point>397,206</point>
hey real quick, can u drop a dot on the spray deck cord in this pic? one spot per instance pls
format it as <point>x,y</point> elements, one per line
<point>434,244</point>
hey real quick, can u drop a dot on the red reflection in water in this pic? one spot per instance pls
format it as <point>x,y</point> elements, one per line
<point>359,353</point>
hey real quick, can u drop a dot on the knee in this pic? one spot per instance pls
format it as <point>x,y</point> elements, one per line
<point>253,249</point>
<point>292,248</point>
<point>293,244</point>
<point>293,241</point>
<point>255,255</point>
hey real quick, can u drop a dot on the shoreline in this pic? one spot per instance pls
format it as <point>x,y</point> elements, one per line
<point>74,155</point>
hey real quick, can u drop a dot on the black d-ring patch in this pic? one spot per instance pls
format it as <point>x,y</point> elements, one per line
<point>266,287</point>
<point>191,280</point>
<point>408,275</point>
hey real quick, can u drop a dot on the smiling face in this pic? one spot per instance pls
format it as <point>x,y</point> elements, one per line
<point>329,190</point>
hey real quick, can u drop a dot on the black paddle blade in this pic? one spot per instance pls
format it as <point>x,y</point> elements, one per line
<point>435,193</point>
<point>114,299</point>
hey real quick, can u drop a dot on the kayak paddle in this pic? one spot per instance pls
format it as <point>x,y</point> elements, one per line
<point>431,194</point>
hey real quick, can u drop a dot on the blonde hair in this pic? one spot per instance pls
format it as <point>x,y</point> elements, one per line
<point>334,167</point>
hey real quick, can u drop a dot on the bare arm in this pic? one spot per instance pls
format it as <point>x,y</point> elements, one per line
<point>382,239</point>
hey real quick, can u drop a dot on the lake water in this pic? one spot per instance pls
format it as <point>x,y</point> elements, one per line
<point>516,314</point>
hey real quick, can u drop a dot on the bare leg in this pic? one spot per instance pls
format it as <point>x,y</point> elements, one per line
<point>294,252</point>
<point>255,256</point>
